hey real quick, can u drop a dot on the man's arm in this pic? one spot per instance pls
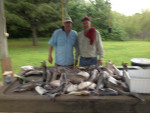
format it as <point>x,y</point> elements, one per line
<point>100,50</point>
<point>77,51</point>
<point>52,42</point>
<point>50,58</point>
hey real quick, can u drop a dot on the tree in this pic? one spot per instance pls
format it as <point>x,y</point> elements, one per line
<point>145,24</point>
<point>76,11</point>
<point>118,25</point>
<point>34,15</point>
<point>5,60</point>
<point>97,10</point>
<point>135,26</point>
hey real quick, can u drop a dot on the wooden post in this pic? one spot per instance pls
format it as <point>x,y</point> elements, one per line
<point>5,60</point>
<point>62,9</point>
<point>109,18</point>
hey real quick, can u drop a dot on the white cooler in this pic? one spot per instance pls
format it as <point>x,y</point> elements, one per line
<point>138,80</point>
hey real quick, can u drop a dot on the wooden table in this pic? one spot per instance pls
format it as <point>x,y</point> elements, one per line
<point>32,102</point>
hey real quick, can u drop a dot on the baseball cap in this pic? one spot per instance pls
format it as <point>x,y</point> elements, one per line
<point>68,19</point>
<point>85,18</point>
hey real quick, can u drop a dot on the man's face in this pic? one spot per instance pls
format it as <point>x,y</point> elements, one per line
<point>86,24</point>
<point>68,25</point>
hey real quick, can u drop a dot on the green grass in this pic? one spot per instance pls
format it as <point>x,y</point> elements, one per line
<point>125,51</point>
<point>23,53</point>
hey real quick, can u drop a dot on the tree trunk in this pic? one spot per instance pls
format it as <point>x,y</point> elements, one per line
<point>3,38</point>
<point>34,35</point>
<point>5,60</point>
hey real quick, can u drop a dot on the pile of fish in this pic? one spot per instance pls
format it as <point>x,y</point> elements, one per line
<point>91,81</point>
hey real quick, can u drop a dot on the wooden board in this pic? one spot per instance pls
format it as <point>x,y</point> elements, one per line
<point>6,64</point>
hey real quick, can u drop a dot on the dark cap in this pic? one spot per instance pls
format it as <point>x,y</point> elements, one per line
<point>85,18</point>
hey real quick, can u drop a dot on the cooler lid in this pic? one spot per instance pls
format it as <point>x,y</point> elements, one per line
<point>143,61</point>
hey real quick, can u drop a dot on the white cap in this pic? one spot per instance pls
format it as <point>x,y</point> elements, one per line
<point>68,19</point>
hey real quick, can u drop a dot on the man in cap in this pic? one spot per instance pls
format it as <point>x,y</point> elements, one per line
<point>89,45</point>
<point>64,40</point>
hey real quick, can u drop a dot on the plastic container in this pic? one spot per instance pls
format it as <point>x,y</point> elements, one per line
<point>7,77</point>
<point>138,80</point>
<point>142,62</point>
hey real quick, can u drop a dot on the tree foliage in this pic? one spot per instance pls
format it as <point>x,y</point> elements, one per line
<point>32,16</point>
<point>39,18</point>
<point>135,26</point>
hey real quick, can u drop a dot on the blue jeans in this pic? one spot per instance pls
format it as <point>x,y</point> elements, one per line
<point>88,61</point>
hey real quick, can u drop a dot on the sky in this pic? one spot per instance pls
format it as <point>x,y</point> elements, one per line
<point>129,7</point>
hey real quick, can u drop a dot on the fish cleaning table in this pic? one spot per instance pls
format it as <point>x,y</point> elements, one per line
<point>30,101</point>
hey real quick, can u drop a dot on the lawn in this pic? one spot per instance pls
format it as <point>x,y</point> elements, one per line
<point>23,53</point>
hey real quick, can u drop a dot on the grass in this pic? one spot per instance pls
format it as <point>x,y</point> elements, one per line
<point>125,51</point>
<point>23,53</point>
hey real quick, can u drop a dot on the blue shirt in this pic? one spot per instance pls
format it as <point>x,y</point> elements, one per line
<point>64,46</point>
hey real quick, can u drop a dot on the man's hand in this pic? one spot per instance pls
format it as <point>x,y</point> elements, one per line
<point>100,62</point>
<point>50,59</point>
